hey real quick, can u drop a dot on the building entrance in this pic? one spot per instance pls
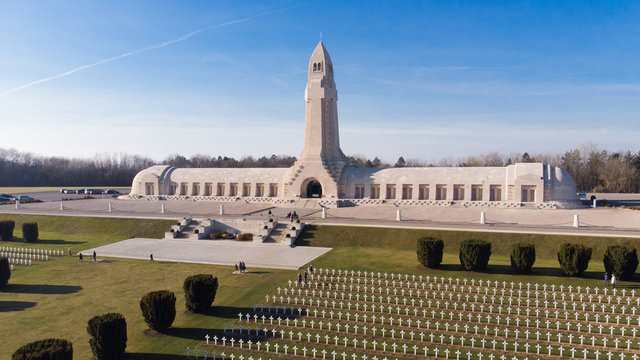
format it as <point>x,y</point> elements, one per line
<point>314,189</point>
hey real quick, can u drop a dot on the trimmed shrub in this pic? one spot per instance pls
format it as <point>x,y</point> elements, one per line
<point>6,229</point>
<point>293,228</point>
<point>200,291</point>
<point>159,309</point>
<point>5,272</point>
<point>244,236</point>
<point>265,227</point>
<point>196,231</point>
<point>574,258</point>
<point>47,349</point>
<point>621,260</point>
<point>270,219</point>
<point>287,236</point>
<point>523,256</point>
<point>30,232</point>
<point>475,254</point>
<point>108,336</point>
<point>430,251</point>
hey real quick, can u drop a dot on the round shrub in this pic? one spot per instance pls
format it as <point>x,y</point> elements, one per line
<point>287,236</point>
<point>6,229</point>
<point>574,258</point>
<point>523,256</point>
<point>159,309</point>
<point>47,349</point>
<point>200,291</point>
<point>108,336</point>
<point>30,232</point>
<point>265,227</point>
<point>270,219</point>
<point>430,251</point>
<point>293,228</point>
<point>621,260</point>
<point>475,254</point>
<point>5,272</point>
<point>196,231</point>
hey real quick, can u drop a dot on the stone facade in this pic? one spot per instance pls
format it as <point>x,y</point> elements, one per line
<point>323,172</point>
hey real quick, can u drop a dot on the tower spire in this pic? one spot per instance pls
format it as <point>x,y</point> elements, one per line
<point>322,141</point>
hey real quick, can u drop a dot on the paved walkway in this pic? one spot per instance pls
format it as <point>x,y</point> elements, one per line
<point>218,252</point>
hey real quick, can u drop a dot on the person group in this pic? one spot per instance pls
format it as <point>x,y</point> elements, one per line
<point>306,272</point>
<point>241,268</point>
<point>292,216</point>
<point>612,280</point>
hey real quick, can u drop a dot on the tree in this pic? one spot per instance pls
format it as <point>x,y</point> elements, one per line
<point>430,251</point>
<point>47,349</point>
<point>159,309</point>
<point>621,260</point>
<point>6,229</point>
<point>523,256</point>
<point>5,272</point>
<point>376,163</point>
<point>108,336</point>
<point>574,258</point>
<point>30,232</point>
<point>200,291</point>
<point>400,162</point>
<point>475,254</point>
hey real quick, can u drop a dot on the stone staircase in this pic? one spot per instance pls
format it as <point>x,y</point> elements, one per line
<point>188,228</point>
<point>278,234</point>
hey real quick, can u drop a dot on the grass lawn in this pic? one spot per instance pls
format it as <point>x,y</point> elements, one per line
<point>19,190</point>
<point>57,298</point>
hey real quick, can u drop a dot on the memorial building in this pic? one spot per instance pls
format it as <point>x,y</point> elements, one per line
<point>322,172</point>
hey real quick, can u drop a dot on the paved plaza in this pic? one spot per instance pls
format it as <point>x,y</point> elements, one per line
<point>218,252</point>
<point>602,221</point>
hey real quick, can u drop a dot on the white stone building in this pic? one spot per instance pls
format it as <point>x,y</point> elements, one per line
<point>322,172</point>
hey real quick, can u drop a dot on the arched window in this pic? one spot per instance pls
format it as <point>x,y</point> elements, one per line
<point>315,66</point>
<point>319,66</point>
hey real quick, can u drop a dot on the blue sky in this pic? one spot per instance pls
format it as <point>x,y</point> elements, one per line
<point>425,80</point>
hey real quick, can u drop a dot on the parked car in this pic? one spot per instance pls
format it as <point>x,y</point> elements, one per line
<point>67,191</point>
<point>80,191</point>
<point>93,191</point>
<point>112,192</point>
<point>7,196</point>
<point>25,198</point>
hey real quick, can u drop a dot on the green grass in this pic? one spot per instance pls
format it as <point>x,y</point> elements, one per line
<point>58,297</point>
<point>26,189</point>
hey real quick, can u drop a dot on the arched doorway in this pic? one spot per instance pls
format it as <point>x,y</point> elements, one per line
<point>314,189</point>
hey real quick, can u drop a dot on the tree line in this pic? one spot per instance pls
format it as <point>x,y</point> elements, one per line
<point>593,169</point>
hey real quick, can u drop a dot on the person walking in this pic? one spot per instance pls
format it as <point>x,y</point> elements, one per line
<point>613,280</point>
<point>80,257</point>
<point>269,213</point>
<point>151,258</point>
<point>606,278</point>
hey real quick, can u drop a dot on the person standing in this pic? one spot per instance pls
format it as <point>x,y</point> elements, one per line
<point>613,280</point>
<point>151,258</point>
<point>80,257</point>
<point>94,256</point>
<point>606,278</point>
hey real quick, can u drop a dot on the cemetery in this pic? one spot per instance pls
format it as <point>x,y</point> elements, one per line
<point>347,314</point>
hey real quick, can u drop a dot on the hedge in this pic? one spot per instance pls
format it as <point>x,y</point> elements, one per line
<point>621,260</point>
<point>475,254</point>
<point>30,232</point>
<point>5,272</point>
<point>159,309</point>
<point>574,258</point>
<point>47,349</point>
<point>430,251</point>
<point>6,229</point>
<point>200,291</point>
<point>108,336</point>
<point>523,256</point>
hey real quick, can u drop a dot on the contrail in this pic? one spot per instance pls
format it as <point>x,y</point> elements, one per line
<point>152,47</point>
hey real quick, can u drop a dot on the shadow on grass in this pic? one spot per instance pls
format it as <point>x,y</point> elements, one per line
<point>227,312</point>
<point>145,356</point>
<point>40,289</point>
<point>191,333</point>
<point>305,237</point>
<point>6,306</point>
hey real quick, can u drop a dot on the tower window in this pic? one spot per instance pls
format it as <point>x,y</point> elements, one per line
<point>315,67</point>
<point>319,66</point>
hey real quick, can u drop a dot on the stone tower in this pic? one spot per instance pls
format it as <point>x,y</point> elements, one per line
<point>318,170</point>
